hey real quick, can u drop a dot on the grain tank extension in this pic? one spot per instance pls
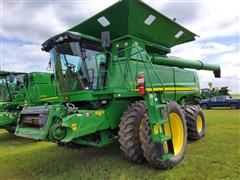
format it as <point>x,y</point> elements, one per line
<point>119,84</point>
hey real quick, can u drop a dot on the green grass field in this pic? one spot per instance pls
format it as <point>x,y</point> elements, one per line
<point>217,156</point>
<point>236,96</point>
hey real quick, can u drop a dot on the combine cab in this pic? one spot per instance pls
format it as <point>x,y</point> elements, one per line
<point>119,84</point>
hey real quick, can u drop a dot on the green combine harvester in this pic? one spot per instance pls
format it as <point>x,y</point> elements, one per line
<point>119,84</point>
<point>12,94</point>
<point>21,89</point>
<point>208,93</point>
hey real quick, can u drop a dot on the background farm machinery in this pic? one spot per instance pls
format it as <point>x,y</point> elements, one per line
<point>21,89</point>
<point>208,93</point>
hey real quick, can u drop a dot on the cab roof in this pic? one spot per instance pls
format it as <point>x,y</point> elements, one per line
<point>7,73</point>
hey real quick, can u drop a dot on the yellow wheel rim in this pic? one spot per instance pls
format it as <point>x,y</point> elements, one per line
<point>199,124</point>
<point>177,132</point>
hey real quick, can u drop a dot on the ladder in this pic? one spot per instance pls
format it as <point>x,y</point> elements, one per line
<point>157,111</point>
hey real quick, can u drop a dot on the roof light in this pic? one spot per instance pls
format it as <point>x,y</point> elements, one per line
<point>179,34</point>
<point>103,21</point>
<point>59,39</point>
<point>150,20</point>
<point>65,37</point>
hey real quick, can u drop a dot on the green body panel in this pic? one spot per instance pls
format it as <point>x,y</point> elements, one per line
<point>86,122</point>
<point>41,86</point>
<point>83,122</point>
<point>7,118</point>
<point>171,77</point>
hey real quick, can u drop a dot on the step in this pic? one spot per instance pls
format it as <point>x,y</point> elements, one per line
<point>166,138</point>
<point>160,106</point>
<point>162,122</point>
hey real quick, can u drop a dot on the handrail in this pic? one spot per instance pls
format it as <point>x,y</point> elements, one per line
<point>144,62</point>
<point>127,67</point>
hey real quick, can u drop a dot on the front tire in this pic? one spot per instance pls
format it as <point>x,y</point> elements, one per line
<point>179,133</point>
<point>204,106</point>
<point>129,128</point>
<point>195,122</point>
<point>11,129</point>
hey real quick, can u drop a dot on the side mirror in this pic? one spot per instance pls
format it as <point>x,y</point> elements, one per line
<point>105,39</point>
<point>11,78</point>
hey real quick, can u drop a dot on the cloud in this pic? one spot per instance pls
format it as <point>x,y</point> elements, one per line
<point>230,76</point>
<point>217,19</point>
<point>185,12</point>
<point>201,50</point>
<point>227,56</point>
<point>209,19</point>
<point>37,21</point>
<point>24,58</point>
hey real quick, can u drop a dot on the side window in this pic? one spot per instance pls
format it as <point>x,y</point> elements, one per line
<point>220,98</point>
<point>213,99</point>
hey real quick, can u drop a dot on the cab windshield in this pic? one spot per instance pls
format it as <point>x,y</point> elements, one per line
<point>76,66</point>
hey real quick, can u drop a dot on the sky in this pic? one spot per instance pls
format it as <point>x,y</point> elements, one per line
<point>26,24</point>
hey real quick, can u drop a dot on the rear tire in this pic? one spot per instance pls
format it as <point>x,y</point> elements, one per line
<point>195,122</point>
<point>152,150</point>
<point>129,128</point>
<point>233,106</point>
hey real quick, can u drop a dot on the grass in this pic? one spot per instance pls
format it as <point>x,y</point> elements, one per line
<point>237,96</point>
<point>217,156</point>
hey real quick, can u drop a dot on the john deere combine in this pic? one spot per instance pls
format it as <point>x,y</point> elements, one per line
<point>22,89</point>
<point>124,87</point>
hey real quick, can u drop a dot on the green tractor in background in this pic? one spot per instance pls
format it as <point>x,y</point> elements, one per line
<point>118,83</point>
<point>22,89</point>
<point>208,93</point>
